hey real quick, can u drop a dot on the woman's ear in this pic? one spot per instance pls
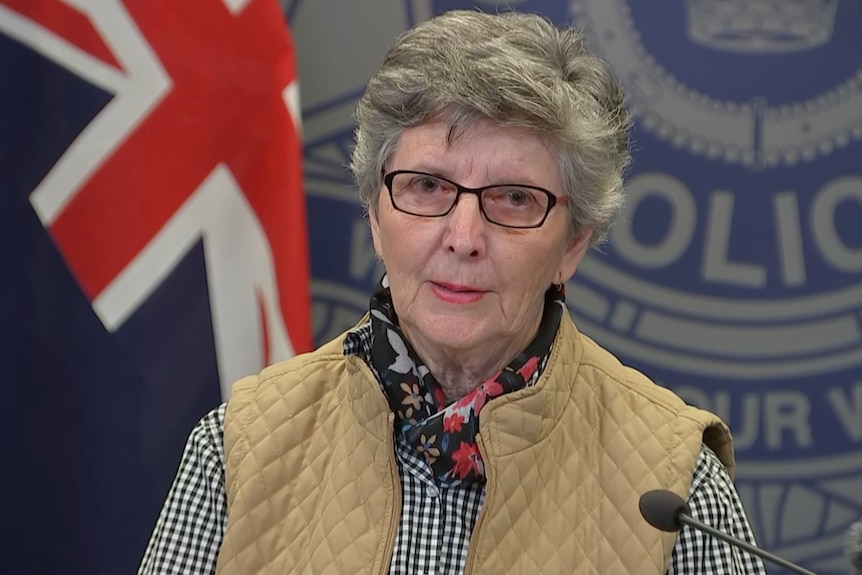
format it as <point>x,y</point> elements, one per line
<point>374,223</point>
<point>575,251</point>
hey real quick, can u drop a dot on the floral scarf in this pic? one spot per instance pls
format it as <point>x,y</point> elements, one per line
<point>446,434</point>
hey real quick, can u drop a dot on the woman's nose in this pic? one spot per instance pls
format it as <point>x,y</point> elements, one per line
<point>465,227</point>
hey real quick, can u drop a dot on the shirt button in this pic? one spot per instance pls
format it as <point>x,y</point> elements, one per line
<point>432,491</point>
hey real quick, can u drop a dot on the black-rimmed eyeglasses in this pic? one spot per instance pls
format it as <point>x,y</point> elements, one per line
<point>508,205</point>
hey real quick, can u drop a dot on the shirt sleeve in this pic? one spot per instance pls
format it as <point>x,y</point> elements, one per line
<point>713,500</point>
<point>191,525</point>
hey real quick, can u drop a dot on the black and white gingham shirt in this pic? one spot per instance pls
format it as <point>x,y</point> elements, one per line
<point>435,526</point>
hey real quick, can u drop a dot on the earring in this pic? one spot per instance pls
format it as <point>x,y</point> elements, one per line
<point>560,287</point>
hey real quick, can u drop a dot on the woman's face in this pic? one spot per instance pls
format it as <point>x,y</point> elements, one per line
<point>459,282</point>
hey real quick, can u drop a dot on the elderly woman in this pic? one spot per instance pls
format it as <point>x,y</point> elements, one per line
<point>464,425</point>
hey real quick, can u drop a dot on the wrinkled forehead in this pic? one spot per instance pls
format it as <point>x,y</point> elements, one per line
<point>475,146</point>
<point>458,121</point>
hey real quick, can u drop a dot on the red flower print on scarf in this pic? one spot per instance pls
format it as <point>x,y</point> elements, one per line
<point>453,423</point>
<point>465,401</point>
<point>529,368</point>
<point>488,390</point>
<point>492,387</point>
<point>466,459</point>
<point>440,398</point>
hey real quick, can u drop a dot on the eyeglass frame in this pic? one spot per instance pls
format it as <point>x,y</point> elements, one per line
<point>553,199</point>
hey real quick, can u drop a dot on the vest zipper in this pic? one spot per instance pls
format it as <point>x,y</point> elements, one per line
<point>396,495</point>
<point>471,550</point>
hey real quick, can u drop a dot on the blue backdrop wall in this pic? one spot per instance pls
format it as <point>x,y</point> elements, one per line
<point>735,275</point>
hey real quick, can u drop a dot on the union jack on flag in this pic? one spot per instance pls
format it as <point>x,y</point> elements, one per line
<point>153,249</point>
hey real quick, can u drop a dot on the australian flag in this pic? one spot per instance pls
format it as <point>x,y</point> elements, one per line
<point>153,250</point>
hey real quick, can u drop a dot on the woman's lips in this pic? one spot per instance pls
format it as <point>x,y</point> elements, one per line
<point>456,293</point>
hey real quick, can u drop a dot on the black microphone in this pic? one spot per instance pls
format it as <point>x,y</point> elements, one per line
<point>667,511</point>
<point>853,547</point>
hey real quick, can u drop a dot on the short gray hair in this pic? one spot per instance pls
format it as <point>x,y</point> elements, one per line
<point>518,70</point>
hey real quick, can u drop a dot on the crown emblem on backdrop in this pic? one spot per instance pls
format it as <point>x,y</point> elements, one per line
<point>761,25</point>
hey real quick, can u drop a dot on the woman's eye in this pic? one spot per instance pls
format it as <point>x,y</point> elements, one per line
<point>427,184</point>
<point>518,197</point>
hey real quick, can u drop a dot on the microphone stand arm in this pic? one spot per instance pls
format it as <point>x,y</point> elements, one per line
<point>733,541</point>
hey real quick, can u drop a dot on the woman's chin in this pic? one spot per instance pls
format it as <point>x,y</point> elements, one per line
<point>454,332</point>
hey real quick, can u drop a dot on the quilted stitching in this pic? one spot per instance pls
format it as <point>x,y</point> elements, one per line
<point>310,491</point>
<point>571,501</point>
<point>303,490</point>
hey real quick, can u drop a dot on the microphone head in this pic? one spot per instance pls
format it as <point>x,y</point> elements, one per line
<point>853,545</point>
<point>662,508</point>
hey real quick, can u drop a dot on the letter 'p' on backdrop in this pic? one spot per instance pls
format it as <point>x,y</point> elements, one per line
<point>735,275</point>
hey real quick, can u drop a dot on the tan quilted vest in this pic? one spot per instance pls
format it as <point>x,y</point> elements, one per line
<point>313,486</point>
